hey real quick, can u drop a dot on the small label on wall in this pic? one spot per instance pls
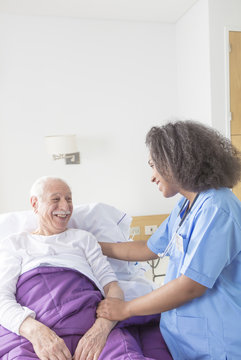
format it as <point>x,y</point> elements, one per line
<point>150,229</point>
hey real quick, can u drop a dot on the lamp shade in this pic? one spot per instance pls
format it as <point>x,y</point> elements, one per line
<point>61,144</point>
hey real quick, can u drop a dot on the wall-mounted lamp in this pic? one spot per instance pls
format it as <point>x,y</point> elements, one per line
<point>63,147</point>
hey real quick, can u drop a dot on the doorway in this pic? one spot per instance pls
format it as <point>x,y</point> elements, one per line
<point>235,94</point>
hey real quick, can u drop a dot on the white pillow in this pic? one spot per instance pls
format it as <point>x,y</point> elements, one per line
<point>106,223</point>
<point>97,218</point>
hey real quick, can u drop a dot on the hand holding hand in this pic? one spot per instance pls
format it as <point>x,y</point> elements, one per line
<point>113,309</point>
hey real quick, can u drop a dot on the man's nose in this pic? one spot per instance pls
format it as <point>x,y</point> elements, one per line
<point>63,204</point>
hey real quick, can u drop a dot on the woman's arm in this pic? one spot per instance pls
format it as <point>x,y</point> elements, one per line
<point>172,295</point>
<point>129,251</point>
<point>92,343</point>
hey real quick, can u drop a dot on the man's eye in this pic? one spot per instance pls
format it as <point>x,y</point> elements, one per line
<point>55,199</point>
<point>69,199</point>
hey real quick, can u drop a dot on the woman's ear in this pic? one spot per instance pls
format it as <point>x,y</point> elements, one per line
<point>34,203</point>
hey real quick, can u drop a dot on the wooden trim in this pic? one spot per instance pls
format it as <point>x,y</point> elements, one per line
<point>142,221</point>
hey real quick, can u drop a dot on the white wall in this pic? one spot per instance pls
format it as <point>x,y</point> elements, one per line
<point>224,15</point>
<point>193,64</point>
<point>202,66</point>
<point>108,82</point>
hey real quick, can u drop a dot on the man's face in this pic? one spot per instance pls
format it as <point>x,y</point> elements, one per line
<point>55,208</point>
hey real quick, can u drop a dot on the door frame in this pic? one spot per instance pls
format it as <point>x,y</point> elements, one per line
<point>227,29</point>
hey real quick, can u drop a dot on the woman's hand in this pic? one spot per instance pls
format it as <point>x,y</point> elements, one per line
<point>113,309</point>
<point>92,343</point>
<point>47,345</point>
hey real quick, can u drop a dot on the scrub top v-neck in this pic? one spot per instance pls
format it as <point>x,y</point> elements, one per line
<point>207,249</point>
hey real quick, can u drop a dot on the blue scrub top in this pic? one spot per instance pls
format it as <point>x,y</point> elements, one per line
<point>208,327</point>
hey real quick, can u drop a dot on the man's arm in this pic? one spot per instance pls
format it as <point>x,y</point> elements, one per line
<point>46,343</point>
<point>170,296</point>
<point>129,251</point>
<point>92,343</point>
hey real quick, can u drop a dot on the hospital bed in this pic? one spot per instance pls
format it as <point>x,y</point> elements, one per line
<point>111,225</point>
<point>141,228</point>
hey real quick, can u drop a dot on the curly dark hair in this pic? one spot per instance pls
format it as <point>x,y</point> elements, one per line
<point>196,156</point>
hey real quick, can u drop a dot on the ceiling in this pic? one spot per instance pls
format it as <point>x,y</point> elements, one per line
<point>165,11</point>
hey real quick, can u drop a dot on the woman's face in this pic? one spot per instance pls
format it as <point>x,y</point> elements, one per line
<point>168,187</point>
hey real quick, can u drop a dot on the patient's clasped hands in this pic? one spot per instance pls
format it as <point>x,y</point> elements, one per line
<point>47,345</point>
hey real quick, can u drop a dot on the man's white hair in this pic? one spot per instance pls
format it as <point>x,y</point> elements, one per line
<point>37,188</point>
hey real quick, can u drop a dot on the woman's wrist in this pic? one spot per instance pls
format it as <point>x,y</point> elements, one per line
<point>128,309</point>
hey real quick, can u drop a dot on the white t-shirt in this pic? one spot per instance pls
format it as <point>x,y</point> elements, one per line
<point>75,249</point>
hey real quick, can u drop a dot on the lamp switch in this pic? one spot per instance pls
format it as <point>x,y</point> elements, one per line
<point>150,229</point>
<point>73,158</point>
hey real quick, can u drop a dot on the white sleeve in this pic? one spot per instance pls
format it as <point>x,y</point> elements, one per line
<point>12,314</point>
<point>99,264</point>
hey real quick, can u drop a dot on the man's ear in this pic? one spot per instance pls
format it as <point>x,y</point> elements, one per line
<point>34,203</point>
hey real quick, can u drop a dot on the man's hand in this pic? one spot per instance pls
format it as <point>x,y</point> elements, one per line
<point>113,309</point>
<point>92,343</point>
<point>47,345</point>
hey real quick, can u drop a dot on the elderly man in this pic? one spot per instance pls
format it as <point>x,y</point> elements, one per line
<point>53,246</point>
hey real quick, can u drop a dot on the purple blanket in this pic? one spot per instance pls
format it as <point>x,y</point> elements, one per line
<point>66,301</point>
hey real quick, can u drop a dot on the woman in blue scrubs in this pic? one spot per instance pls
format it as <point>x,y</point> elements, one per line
<point>200,302</point>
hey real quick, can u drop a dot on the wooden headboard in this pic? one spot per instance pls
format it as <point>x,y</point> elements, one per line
<point>140,222</point>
